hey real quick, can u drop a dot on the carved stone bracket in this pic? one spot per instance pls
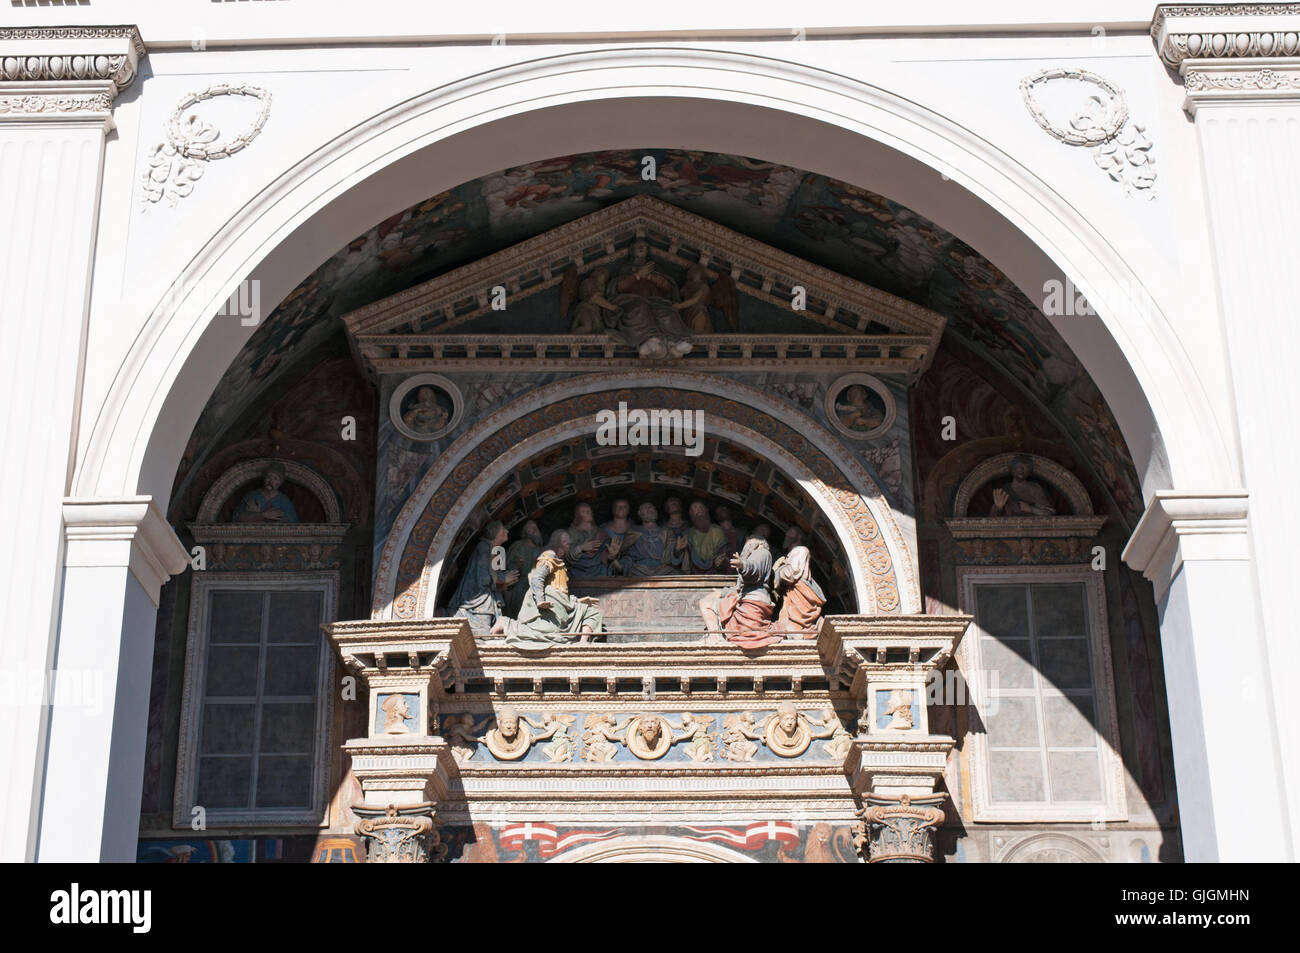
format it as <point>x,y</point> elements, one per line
<point>66,73</point>
<point>899,829</point>
<point>400,835</point>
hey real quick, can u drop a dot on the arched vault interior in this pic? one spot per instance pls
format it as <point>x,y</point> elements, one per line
<point>850,230</point>
<point>580,470</point>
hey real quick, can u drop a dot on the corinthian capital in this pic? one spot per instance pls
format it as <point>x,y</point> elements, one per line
<point>66,72</point>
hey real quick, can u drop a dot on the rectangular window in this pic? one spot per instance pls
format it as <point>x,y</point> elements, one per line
<point>254,744</point>
<point>1044,745</point>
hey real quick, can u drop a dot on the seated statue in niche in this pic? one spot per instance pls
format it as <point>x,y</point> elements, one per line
<point>646,550</point>
<point>801,597</point>
<point>267,504</point>
<point>521,557</point>
<point>743,614</point>
<point>549,614</point>
<point>647,318</point>
<point>1022,496</point>
<point>480,597</point>
<point>703,547</point>
<point>587,555</point>
<point>425,415</point>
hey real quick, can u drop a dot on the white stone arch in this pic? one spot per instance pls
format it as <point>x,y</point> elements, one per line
<point>864,580</point>
<point>674,98</point>
<point>652,849</point>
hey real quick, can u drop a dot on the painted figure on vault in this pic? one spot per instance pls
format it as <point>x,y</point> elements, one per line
<point>550,615</point>
<point>743,614</point>
<point>480,595</point>
<point>425,415</point>
<point>267,504</point>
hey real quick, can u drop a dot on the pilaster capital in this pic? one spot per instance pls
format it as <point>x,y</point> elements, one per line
<point>1239,52</point>
<point>1178,527</point>
<point>126,532</point>
<point>66,74</point>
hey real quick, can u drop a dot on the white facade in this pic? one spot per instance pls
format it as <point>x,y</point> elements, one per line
<point>111,298</point>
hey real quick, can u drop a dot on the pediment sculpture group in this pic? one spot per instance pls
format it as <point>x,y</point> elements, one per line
<point>644,308</point>
<point>786,732</point>
<point>528,601</point>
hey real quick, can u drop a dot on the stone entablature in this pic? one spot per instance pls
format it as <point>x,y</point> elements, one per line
<point>1240,52</point>
<point>66,72</point>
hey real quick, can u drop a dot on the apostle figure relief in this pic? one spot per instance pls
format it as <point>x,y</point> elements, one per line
<point>267,504</point>
<point>525,598</point>
<point>1021,496</point>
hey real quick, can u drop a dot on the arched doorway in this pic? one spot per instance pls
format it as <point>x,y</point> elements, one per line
<point>137,441</point>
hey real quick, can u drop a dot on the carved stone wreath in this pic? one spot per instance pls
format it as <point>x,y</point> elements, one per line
<point>1103,131</point>
<point>178,163</point>
<point>1120,147</point>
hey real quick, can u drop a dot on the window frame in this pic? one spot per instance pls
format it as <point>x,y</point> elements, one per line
<point>202,585</point>
<point>1113,805</point>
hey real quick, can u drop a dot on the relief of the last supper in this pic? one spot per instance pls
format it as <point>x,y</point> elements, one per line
<point>634,516</point>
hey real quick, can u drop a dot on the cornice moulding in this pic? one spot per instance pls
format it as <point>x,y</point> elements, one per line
<point>1180,526</point>
<point>1226,31</point>
<point>126,531</point>
<point>66,72</point>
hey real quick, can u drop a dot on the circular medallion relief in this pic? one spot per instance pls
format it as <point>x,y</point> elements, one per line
<point>860,406</point>
<point>425,407</point>
<point>649,737</point>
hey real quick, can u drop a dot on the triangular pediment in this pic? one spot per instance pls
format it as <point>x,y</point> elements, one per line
<point>433,324</point>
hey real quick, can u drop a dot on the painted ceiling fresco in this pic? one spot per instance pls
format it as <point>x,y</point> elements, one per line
<point>838,226</point>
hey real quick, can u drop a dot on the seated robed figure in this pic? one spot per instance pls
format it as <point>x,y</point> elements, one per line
<point>480,597</point>
<point>743,614</point>
<point>550,614</point>
<point>802,598</point>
